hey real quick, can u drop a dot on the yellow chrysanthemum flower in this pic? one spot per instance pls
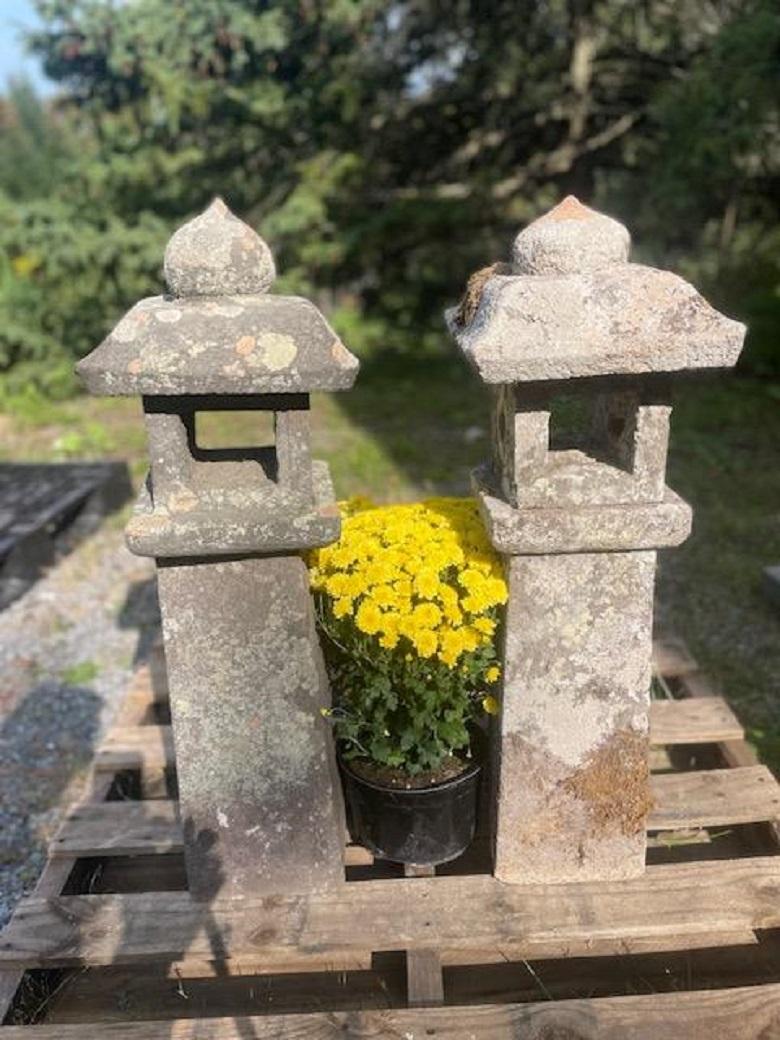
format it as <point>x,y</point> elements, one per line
<point>368,618</point>
<point>419,576</point>
<point>425,642</point>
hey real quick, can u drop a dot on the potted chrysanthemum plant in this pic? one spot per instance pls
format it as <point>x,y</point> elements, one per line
<point>409,602</point>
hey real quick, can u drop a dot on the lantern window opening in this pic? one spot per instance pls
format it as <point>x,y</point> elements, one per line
<point>601,427</point>
<point>248,437</point>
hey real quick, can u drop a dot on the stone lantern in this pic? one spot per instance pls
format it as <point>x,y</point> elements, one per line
<point>259,793</point>
<point>572,335</point>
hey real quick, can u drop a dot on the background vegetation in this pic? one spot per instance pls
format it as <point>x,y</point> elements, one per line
<point>386,151</point>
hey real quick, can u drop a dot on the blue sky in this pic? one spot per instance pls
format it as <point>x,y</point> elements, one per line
<point>15,16</point>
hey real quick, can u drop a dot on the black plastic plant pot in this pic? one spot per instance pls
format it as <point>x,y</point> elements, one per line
<point>423,825</point>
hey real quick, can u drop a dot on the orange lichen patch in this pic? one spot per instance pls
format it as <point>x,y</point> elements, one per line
<point>245,345</point>
<point>183,501</point>
<point>329,509</point>
<point>339,352</point>
<point>134,366</point>
<point>614,783</point>
<point>569,208</point>
<point>472,297</point>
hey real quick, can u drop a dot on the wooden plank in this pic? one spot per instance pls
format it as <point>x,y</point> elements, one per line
<point>131,828</point>
<point>683,801</point>
<point>56,872</point>
<point>736,752</point>
<point>120,829</point>
<point>743,1013</point>
<point>735,749</point>
<point>51,882</point>
<point>454,912</point>
<point>424,977</point>
<point>671,722</point>
<point>713,797</point>
<point>135,747</point>
<point>694,721</point>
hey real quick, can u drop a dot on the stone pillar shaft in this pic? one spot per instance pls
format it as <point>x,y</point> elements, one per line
<point>572,779</point>
<point>257,776</point>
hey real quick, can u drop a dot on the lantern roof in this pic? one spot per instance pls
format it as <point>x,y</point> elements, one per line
<point>217,330</point>
<point>572,305</point>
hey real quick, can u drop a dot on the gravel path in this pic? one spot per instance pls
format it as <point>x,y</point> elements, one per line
<point>66,649</point>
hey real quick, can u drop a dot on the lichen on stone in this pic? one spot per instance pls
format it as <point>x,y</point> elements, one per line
<point>613,783</point>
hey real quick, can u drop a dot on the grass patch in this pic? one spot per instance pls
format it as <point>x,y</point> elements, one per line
<point>80,674</point>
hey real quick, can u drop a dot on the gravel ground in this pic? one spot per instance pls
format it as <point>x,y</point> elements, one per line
<point>66,648</point>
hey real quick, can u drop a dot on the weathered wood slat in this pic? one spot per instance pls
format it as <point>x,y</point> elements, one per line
<point>119,828</point>
<point>135,747</point>
<point>683,801</point>
<point>744,1013</point>
<point>735,752</point>
<point>51,882</point>
<point>424,978</point>
<point>713,797</point>
<point>452,912</point>
<point>694,721</point>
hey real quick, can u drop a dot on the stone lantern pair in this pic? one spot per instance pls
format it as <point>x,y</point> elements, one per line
<point>579,527</point>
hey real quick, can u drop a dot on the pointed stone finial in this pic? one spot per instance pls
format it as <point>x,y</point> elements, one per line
<point>570,239</point>
<point>216,254</point>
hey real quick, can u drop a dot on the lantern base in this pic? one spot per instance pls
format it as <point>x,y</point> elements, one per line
<point>203,527</point>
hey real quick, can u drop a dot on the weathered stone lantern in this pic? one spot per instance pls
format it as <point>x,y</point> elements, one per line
<point>578,524</point>
<point>259,794</point>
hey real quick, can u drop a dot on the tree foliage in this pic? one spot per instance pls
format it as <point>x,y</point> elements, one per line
<point>384,150</point>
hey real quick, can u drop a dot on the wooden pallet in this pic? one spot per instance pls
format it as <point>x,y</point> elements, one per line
<point>110,944</point>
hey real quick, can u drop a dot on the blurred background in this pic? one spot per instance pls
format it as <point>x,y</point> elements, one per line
<point>385,151</point>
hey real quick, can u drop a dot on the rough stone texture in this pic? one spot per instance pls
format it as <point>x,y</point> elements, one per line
<point>248,482</point>
<point>571,237</point>
<point>226,520</point>
<point>621,319</point>
<point>590,528</point>
<point>622,458</point>
<point>216,254</point>
<point>226,345</point>
<point>217,333</point>
<point>259,793</point>
<point>573,778</point>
